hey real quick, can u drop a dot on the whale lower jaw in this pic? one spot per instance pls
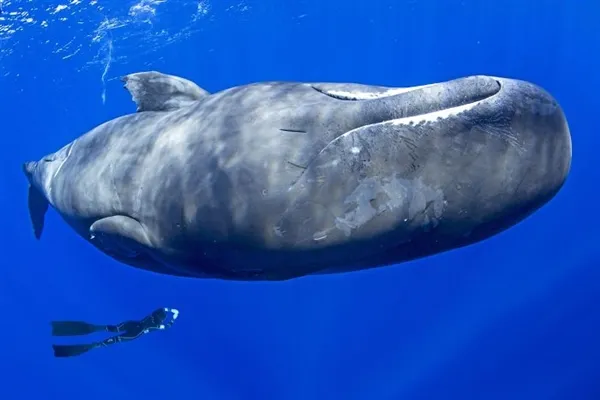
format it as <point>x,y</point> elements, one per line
<point>434,116</point>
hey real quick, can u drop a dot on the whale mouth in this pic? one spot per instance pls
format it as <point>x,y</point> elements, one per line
<point>421,104</point>
<point>445,113</point>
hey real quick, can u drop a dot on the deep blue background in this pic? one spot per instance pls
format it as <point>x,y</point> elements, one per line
<point>514,317</point>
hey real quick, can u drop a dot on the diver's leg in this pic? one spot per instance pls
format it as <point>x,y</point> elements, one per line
<point>73,328</point>
<point>78,349</point>
<point>123,327</point>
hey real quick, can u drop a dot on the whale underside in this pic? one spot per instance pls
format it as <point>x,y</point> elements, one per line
<point>278,180</point>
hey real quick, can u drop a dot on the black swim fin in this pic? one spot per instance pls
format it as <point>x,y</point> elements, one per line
<point>73,328</point>
<point>71,350</point>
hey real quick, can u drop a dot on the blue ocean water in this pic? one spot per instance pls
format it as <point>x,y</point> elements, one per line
<point>513,317</point>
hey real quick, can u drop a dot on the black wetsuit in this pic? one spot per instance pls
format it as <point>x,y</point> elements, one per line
<point>160,319</point>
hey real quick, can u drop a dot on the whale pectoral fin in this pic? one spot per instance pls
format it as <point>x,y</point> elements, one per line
<point>119,235</point>
<point>38,205</point>
<point>155,91</point>
<point>125,239</point>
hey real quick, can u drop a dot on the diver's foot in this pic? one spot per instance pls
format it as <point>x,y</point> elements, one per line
<point>61,351</point>
<point>74,328</point>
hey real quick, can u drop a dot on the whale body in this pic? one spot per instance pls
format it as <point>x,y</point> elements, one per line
<point>278,180</point>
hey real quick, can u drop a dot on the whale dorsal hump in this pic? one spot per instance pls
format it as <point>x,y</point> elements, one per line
<point>155,91</point>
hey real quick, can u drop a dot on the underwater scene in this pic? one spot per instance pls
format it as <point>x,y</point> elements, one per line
<point>314,199</point>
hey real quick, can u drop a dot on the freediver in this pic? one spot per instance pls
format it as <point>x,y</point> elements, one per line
<point>160,319</point>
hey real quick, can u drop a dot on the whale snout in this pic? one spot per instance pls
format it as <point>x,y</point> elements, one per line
<point>538,161</point>
<point>511,154</point>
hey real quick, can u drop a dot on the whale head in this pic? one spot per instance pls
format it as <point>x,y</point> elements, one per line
<point>430,168</point>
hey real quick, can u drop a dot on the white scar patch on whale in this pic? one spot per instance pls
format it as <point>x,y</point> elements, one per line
<point>358,95</point>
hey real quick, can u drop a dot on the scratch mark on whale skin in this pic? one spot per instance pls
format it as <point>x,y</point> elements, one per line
<point>374,196</point>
